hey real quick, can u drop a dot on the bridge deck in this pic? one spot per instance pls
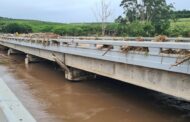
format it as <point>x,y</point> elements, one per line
<point>146,54</point>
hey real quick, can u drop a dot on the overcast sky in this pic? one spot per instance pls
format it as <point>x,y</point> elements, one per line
<point>67,11</point>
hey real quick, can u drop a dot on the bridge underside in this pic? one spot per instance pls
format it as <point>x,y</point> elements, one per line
<point>175,84</point>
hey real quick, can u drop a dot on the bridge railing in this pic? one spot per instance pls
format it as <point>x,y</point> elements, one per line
<point>173,39</point>
<point>149,46</point>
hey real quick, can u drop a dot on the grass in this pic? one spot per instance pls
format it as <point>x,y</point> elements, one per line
<point>38,26</point>
<point>42,26</point>
<point>184,23</point>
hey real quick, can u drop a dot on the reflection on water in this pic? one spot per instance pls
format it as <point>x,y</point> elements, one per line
<point>50,98</point>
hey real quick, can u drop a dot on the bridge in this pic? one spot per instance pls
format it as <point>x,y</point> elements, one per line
<point>159,66</point>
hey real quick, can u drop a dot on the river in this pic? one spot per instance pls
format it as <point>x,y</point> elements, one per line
<point>49,97</point>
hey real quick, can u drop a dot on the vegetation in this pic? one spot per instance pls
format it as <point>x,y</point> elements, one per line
<point>137,27</point>
<point>155,12</point>
<point>14,27</point>
<point>182,14</point>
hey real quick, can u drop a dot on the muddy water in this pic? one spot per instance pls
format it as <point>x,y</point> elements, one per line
<point>50,98</point>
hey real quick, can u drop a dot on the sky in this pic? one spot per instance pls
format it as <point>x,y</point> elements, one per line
<point>65,11</point>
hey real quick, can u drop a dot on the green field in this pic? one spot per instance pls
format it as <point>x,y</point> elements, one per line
<point>179,28</point>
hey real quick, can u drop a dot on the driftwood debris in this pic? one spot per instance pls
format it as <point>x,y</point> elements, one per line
<point>131,48</point>
<point>108,49</point>
<point>175,51</point>
<point>169,51</point>
<point>60,63</point>
<point>186,58</point>
<point>161,38</point>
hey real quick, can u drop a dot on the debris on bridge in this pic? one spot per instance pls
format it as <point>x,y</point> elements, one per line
<point>186,58</point>
<point>47,39</point>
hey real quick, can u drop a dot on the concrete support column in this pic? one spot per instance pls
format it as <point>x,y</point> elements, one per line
<point>26,60</point>
<point>77,75</point>
<point>9,52</point>
<point>31,58</point>
<point>12,51</point>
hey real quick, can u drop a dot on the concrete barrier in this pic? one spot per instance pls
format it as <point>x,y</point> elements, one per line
<point>3,116</point>
<point>11,109</point>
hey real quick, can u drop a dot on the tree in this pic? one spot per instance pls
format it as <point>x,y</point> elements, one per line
<point>182,14</point>
<point>130,10</point>
<point>14,27</point>
<point>102,13</point>
<point>160,15</point>
<point>156,12</point>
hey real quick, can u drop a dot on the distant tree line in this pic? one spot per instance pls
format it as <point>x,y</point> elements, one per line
<point>182,14</point>
<point>15,27</point>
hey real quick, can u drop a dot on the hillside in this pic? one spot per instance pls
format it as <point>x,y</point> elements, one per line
<point>179,28</point>
<point>36,25</point>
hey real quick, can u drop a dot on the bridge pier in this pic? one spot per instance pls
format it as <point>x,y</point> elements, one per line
<point>12,51</point>
<point>77,75</point>
<point>73,74</point>
<point>31,58</point>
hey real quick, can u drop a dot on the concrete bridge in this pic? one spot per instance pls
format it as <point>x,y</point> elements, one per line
<point>159,66</point>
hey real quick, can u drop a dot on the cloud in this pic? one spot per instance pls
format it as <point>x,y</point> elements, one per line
<point>62,10</point>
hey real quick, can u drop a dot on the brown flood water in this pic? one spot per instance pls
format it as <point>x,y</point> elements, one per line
<point>50,98</point>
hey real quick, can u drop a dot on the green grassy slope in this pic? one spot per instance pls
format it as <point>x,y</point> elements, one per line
<point>180,27</point>
<point>184,22</point>
<point>177,28</point>
<point>36,25</point>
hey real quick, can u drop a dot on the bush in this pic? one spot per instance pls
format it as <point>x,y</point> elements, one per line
<point>61,31</point>
<point>47,29</point>
<point>14,27</point>
<point>161,27</point>
<point>186,33</point>
<point>149,30</point>
<point>179,31</point>
<point>113,29</point>
<point>78,30</point>
<point>137,29</point>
